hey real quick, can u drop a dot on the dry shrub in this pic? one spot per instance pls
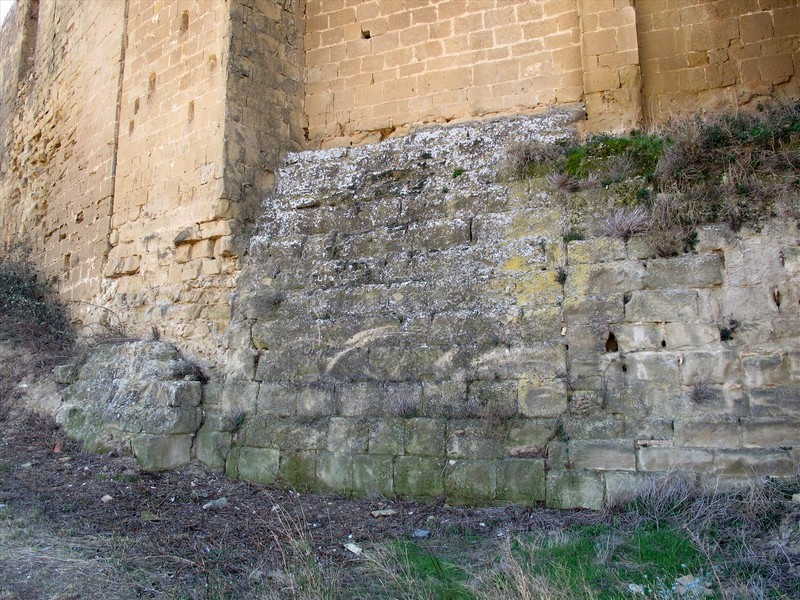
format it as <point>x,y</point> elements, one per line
<point>562,182</point>
<point>32,316</point>
<point>526,159</point>
<point>624,223</point>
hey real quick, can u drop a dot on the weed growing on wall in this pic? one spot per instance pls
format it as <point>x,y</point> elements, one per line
<point>732,168</point>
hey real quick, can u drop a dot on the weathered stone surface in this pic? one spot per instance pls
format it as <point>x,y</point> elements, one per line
<point>537,400</point>
<point>671,459</point>
<point>754,463</point>
<point>684,272</point>
<point>212,447</point>
<point>699,434</point>
<point>387,436</point>
<point>575,489</point>
<point>662,306</point>
<point>425,437</point>
<point>347,435</point>
<point>521,480</point>
<point>160,452</point>
<point>335,470</point>
<point>373,475</point>
<point>602,456</point>
<point>258,464</point>
<point>470,480</point>
<point>771,433</point>
<point>419,475</point>
<point>474,438</point>
<point>138,390</point>
<point>299,469</point>
<point>602,249</point>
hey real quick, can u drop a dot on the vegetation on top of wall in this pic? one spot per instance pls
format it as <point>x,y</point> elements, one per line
<point>732,168</point>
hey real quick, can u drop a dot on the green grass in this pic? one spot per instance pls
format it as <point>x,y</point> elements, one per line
<point>734,168</point>
<point>437,577</point>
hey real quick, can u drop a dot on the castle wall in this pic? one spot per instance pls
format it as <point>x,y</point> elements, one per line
<point>170,263</point>
<point>703,53</point>
<point>60,117</point>
<point>374,68</point>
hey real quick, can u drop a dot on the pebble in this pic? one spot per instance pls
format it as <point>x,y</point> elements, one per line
<point>420,533</point>
<point>218,503</point>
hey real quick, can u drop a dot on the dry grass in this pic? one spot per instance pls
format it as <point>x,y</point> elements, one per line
<point>624,223</point>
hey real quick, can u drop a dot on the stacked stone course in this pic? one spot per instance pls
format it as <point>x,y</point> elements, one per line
<point>412,322</point>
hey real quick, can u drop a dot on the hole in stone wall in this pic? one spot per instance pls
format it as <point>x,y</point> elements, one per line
<point>611,343</point>
<point>184,21</point>
<point>626,298</point>
<point>151,86</point>
<point>776,297</point>
<point>79,217</point>
<point>67,258</point>
<point>191,111</point>
<point>365,34</point>
<point>131,126</point>
<point>663,343</point>
<point>624,368</point>
<point>136,107</point>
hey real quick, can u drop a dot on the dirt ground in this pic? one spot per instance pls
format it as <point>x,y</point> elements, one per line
<point>105,527</point>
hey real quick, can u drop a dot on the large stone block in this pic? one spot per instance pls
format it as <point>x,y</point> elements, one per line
<point>425,437</point>
<point>529,437</point>
<point>387,436</point>
<point>778,401</point>
<point>604,279</point>
<point>521,480</point>
<point>663,367</point>
<point>684,272</point>
<point>662,306</point>
<point>764,369</point>
<point>771,433</point>
<point>473,438</point>
<point>315,401</point>
<point>279,399</point>
<point>347,435</point>
<point>661,458</point>
<point>538,400</point>
<point>335,471</point>
<point>212,447</point>
<point>162,452</point>
<point>298,469</point>
<point>595,250</point>
<point>258,464</point>
<point>373,474</point>
<point>689,335</point>
<point>602,456</point>
<point>575,489</point>
<point>719,366</point>
<point>754,463</point>
<point>637,337</point>
<point>239,395</point>
<point>704,434</point>
<point>419,475</point>
<point>470,480</point>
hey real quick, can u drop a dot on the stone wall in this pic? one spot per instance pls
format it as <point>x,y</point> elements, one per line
<point>705,53</point>
<point>374,67</point>
<point>411,321</point>
<point>58,145</point>
<point>169,261</point>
